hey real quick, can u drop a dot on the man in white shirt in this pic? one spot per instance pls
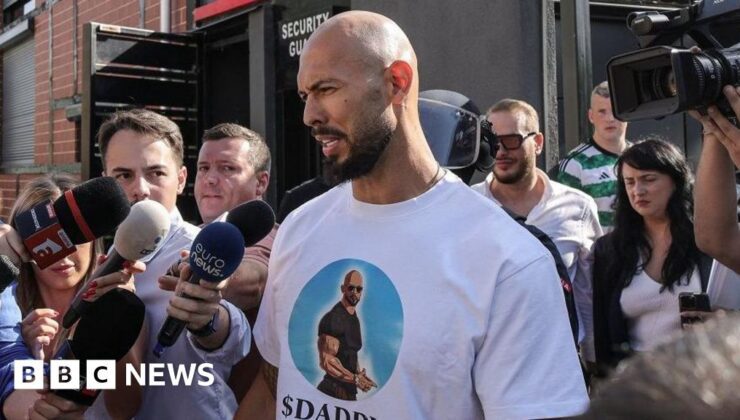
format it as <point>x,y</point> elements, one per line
<point>143,151</point>
<point>568,216</point>
<point>462,313</point>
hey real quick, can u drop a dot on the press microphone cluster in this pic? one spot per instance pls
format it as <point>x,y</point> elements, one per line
<point>50,230</point>
<point>217,252</point>
<point>138,236</point>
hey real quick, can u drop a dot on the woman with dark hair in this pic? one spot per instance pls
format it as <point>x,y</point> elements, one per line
<point>650,257</point>
<point>41,297</point>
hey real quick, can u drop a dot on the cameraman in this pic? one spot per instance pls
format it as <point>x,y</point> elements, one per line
<point>716,225</point>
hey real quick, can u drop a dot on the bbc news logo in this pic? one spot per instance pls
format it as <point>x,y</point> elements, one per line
<point>101,374</point>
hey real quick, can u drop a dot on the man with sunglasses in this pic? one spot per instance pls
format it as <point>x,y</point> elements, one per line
<point>590,166</point>
<point>340,339</point>
<point>568,216</point>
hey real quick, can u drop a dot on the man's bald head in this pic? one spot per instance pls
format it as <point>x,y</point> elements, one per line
<point>373,36</point>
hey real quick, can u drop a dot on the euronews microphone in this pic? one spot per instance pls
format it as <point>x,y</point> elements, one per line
<point>215,254</point>
<point>138,236</point>
<point>50,231</point>
<point>107,331</point>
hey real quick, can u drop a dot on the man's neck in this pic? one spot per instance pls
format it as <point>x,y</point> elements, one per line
<point>519,197</point>
<point>349,308</point>
<point>405,170</point>
<point>615,146</point>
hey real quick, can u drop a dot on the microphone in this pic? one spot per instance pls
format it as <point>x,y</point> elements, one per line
<point>215,254</point>
<point>255,219</point>
<point>8,272</point>
<point>50,231</point>
<point>107,331</point>
<point>138,236</point>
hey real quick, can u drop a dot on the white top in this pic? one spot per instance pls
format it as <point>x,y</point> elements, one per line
<point>653,317</point>
<point>570,218</point>
<point>461,316</point>
<point>724,287</point>
<point>183,402</point>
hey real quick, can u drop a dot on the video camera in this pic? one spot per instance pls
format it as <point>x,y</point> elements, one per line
<point>660,80</point>
<point>460,138</point>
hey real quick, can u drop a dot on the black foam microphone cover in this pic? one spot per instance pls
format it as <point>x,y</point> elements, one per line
<point>102,204</point>
<point>254,219</point>
<point>106,331</point>
<point>110,326</point>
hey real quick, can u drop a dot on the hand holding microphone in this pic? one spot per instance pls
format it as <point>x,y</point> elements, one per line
<point>215,254</point>
<point>138,236</point>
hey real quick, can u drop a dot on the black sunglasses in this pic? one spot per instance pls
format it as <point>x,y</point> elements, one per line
<point>353,288</point>
<point>512,141</point>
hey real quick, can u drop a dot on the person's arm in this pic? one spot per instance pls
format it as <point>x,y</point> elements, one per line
<point>715,212</point>
<point>124,402</point>
<point>247,284</point>
<point>582,284</point>
<point>259,403</point>
<point>329,362</point>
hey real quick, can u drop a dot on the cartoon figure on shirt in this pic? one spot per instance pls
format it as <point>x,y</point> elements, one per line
<point>340,339</point>
<point>345,331</point>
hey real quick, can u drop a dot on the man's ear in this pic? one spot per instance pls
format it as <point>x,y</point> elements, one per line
<point>182,177</point>
<point>590,116</point>
<point>401,77</point>
<point>263,180</point>
<point>539,141</point>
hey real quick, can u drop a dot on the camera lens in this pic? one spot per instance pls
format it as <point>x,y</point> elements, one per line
<point>664,83</point>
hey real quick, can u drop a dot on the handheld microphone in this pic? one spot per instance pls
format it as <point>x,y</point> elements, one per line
<point>8,272</point>
<point>88,211</point>
<point>254,219</point>
<point>107,331</point>
<point>138,236</point>
<point>215,254</point>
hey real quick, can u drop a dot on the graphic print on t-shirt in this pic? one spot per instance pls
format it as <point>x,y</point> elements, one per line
<point>346,328</point>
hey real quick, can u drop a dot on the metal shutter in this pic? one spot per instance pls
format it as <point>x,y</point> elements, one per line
<point>19,104</point>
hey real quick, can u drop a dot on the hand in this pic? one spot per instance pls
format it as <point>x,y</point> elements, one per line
<point>123,278</point>
<point>195,303</point>
<point>38,330</point>
<point>11,245</point>
<point>51,406</point>
<point>169,281</point>
<point>363,382</point>
<point>716,127</point>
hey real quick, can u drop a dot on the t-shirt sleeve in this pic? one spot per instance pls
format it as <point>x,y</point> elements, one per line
<point>527,366</point>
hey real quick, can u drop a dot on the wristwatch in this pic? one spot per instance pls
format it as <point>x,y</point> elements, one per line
<point>207,329</point>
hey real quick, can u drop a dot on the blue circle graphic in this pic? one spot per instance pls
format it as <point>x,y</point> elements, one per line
<point>380,317</point>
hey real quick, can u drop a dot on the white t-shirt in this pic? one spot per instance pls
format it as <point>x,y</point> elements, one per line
<point>653,317</point>
<point>570,218</point>
<point>461,315</point>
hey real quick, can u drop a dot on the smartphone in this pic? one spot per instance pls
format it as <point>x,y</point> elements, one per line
<point>688,301</point>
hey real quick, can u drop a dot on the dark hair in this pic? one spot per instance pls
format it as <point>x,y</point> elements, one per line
<point>696,376</point>
<point>628,239</point>
<point>142,121</point>
<point>258,155</point>
<point>39,190</point>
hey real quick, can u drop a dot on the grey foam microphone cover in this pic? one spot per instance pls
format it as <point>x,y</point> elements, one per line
<point>142,231</point>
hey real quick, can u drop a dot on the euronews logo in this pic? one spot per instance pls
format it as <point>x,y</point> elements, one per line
<point>101,374</point>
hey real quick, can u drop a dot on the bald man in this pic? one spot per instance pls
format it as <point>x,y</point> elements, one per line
<point>466,319</point>
<point>340,339</point>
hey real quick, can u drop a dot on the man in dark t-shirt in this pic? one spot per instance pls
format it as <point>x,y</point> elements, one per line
<point>340,339</point>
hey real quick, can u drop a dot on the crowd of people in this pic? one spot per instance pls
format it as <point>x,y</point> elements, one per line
<point>399,291</point>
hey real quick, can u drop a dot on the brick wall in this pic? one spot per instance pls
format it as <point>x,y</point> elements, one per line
<point>56,133</point>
